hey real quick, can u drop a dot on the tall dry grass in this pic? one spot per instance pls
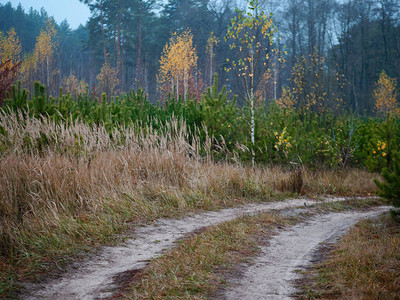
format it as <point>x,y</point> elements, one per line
<point>70,184</point>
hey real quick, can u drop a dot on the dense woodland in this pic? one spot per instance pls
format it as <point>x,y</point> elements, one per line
<point>355,39</point>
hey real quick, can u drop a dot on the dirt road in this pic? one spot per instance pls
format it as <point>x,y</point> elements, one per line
<point>95,279</point>
<point>271,274</point>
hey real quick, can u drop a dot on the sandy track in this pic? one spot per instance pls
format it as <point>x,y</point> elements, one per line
<point>95,279</point>
<point>271,274</point>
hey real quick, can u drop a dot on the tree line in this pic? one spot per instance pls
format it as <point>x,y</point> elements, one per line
<point>339,47</point>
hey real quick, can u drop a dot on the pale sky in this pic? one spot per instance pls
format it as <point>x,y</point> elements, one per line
<point>74,11</point>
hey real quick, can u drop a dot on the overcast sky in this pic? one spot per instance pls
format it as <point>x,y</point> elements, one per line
<point>74,11</point>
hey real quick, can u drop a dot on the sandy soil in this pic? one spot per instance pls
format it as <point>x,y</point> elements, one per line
<point>100,276</point>
<point>271,275</point>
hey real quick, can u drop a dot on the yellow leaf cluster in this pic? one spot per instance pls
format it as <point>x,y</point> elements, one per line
<point>10,48</point>
<point>28,68</point>
<point>72,85</point>
<point>211,42</point>
<point>39,65</point>
<point>385,95</point>
<point>178,58</point>
<point>286,100</point>
<point>45,44</point>
<point>108,80</point>
<point>309,90</point>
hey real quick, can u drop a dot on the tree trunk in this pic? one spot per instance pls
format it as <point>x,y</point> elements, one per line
<point>177,88</point>
<point>119,52</point>
<point>311,26</point>
<point>47,73</point>
<point>252,117</point>
<point>211,64</point>
<point>102,32</point>
<point>139,44</point>
<point>383,28</point>
<point>185,84</point>
<point>294,34</point>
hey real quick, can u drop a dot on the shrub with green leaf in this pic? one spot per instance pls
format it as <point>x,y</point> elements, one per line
<point>390,188</point>
<point>218,113</point>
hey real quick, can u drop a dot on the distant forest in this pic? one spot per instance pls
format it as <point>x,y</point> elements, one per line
<point>350,41</point>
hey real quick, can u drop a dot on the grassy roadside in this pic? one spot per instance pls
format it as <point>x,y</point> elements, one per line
<point>198,266</point>
<point>56,207</point>
<point>66,189</point>
<point>365,264</point>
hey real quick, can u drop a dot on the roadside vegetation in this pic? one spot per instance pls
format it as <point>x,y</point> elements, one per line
<point>68,186</point>
<point>365,264</point>
<point>282,135</point>
<point>390,187</point>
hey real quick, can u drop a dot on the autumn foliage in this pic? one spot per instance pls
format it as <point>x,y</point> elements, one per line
<point>108,81</point>
<point>72,85</point>
<point>307,91</point>
<point>178,67</point>
<point>385,96</point>
<point>44,54</point>
<point>40,64</point>
<point>10,50</point>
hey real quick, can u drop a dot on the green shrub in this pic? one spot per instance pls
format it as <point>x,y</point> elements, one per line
<point>390,188</point>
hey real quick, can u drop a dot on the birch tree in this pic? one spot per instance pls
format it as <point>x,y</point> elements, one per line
<point>212,42</point>
<point>251,34</point>
<point>177,63</point>
<point>44,54</point>
<point>10,50</point>
<point>385,95</point>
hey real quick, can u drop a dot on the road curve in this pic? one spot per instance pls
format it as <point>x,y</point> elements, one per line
<point>95,278</point>
<point>270,275</point>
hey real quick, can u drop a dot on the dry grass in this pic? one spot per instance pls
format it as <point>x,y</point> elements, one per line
<point>364,265</point>
<point>65,187</point>
<point>352,182</point>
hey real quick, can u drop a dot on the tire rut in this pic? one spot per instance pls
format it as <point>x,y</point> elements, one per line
<point>271,275</point>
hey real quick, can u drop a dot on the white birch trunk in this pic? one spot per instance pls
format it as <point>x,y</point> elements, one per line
<point>177,88</point>
<point>211,65</point>
<point>253,154</point>
<point>185,79</point>
<point>253,123</point>
<point>47,72</point>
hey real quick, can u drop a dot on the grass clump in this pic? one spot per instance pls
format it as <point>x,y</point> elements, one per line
<point>364,265</point>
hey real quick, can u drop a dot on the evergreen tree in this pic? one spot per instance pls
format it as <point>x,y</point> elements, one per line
<point>219,114</point>
<point>390,187</point>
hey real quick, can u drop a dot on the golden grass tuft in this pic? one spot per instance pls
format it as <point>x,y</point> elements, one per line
<point>350,182</point>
